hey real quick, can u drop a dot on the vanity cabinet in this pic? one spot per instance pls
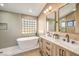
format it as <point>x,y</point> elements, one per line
<point>48,48</point>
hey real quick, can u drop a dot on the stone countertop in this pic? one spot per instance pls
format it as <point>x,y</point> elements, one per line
<point>69,46</point>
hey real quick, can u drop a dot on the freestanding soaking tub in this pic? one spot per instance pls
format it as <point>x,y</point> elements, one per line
<point>28,43</point>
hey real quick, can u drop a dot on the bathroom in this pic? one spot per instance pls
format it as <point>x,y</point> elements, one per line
<point>39,29</point>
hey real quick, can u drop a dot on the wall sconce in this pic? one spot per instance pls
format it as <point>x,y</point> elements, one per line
<point>50,8</point>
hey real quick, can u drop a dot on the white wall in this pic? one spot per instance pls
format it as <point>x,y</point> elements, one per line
<point>42,24</point>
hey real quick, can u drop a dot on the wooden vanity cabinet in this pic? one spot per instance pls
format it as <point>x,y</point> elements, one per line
<point>48,48</point>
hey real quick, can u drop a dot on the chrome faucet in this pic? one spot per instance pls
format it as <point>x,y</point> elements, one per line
<point>67,37</point>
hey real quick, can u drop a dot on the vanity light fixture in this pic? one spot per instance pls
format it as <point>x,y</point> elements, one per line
<point>1,4</point>
<point>47,10</point>
<point>44,11</point>
<point>50,8</point>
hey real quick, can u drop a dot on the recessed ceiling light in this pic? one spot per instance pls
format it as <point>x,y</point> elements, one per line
<point>1,4</point>
<point>30,10</point>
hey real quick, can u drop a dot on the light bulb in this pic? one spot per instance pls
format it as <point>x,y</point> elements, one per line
<point>1,4</point>
<point>44,11</point>
<point>47,10</point>
<point>50,7</point>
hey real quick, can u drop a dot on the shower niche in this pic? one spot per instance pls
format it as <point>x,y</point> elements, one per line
<point>3,26</point>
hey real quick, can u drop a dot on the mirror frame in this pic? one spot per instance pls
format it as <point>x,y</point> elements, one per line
<point>59,20</point>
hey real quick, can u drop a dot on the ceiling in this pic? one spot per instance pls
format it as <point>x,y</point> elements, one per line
<point>33,9</point>
<point>51,15</point>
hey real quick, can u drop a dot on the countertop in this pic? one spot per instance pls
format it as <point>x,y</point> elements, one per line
<point>69,46</point>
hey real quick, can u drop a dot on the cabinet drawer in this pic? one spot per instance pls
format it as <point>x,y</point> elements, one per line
<point>48,43</point>
<point>47,53</point>
<point>48,48</point>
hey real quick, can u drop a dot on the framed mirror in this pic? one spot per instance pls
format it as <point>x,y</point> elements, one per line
<point>51,22</point>
<point>68,18</point>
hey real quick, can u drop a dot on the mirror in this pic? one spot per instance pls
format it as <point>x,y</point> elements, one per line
<point>68,18</point>
<point>51,22</point>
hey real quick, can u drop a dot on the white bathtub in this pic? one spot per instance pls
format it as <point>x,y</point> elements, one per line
<point>28,43</point>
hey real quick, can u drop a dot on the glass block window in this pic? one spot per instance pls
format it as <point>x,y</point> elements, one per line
<point>29,26</point>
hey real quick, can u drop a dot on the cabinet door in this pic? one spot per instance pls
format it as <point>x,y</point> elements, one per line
<point>40,43</point>
<point>41,48</point>
<point>60,51</point>
<point>44,47</point>
<point>53,50</point>
<point>73,54</point>
<point>69,53</point>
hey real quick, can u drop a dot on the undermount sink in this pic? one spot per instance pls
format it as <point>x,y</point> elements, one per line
<point>48,36</point>
<point>70,43</point>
